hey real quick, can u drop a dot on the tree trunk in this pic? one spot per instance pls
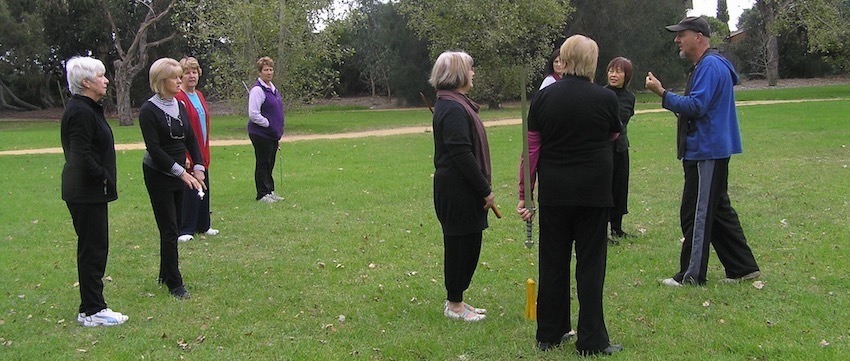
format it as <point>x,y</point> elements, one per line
<point>16,103</point>
<point>772,60</point>
<point>123,82</point>
<point>132,60</point>
<point>768,10</point>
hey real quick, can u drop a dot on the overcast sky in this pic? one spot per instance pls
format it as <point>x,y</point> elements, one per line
<point>709,7</point>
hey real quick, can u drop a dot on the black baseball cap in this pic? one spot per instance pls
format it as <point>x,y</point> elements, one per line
<point>695,23</point>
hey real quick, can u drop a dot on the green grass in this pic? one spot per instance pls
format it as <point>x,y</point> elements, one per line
<point>274,283</point>
<point>30,134</point>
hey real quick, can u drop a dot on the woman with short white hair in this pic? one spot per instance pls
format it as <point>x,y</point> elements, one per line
<point>89,183</point>
<point>168,137</point>
<point>462,191</point>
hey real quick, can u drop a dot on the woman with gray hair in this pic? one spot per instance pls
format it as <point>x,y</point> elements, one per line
<point>89,184</point>
<point>574,121</point>
<point>462,192</point>
<point>168,137</point>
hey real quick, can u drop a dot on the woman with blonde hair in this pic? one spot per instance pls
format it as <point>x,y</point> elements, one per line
<point>168,138</point>
<point>462,191</point>
<point>574,121</point>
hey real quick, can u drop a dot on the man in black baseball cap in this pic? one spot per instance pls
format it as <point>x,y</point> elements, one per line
<point>707,135</point>
<point>695,23</point>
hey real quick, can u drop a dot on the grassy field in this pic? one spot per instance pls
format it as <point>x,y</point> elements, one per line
<point>292,280</point>
<point>29,134</point>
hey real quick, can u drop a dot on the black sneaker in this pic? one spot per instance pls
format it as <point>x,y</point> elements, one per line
<point>180,293</point>
<point>608,351</point>
<point>546,346</point>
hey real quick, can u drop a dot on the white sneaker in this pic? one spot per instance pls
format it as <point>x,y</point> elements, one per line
<point>275,196</point>
<point>671,282</point>
<point>211,232</point>
<point>185,238</point>
<point>104,317</point>
<point>268,198</point>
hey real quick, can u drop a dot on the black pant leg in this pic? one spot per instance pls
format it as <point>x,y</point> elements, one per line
<point>555,253</point>
<point>620,189</point>
<point>166,206</point>
<point>728,238</point>
<point>196,211</point>
<point>91,223</point>
<point>695,217</point>
<point>191,206</point>
<point>591,262</point>
<point>460,254</point>
<point>204,223</point>
<point>265,151</point>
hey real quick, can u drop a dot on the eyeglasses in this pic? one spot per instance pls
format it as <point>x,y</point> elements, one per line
<point>181,132</point>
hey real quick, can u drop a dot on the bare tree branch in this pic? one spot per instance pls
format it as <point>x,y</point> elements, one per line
<point>115,38</point>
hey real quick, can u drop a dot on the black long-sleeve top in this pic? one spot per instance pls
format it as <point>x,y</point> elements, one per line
<point>89,174</point>
<point>459,183</point>
<point>167,139</point>
<point>626,105</point>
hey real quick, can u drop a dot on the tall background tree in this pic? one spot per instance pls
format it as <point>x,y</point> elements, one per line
<point>778,31</point>
<point>132,59</point>
<point>24,58</point>
<point>723,12</point>
<point>634,30</point>
<point>382,47</point>
<point>233,34</point>
<point>386,55</point>
<point>506,38</point>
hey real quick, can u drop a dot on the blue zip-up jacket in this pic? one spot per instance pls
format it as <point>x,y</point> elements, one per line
<point>708,121</point>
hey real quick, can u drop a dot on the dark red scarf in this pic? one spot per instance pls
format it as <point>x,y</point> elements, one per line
<point>480,147</point>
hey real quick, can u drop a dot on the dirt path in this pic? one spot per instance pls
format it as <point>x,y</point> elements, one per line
<point>379,132</point>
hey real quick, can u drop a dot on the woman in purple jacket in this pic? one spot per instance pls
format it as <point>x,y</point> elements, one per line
<point>265,127</point>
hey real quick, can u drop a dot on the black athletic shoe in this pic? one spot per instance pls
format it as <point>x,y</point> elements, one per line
<point>180,293</point>
<point>546,346</point>
<point>608,351</point>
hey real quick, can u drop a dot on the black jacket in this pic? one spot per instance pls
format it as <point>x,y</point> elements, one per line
<point>626,103</point>
<point>89,175</point>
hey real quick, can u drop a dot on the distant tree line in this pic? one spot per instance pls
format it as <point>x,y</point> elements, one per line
<point>383,48</point>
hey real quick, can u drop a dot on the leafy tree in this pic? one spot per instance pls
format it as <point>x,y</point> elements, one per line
<point>132,59</point>
<point>24,57</point>
<point>823,21</point>
<point>235,33</point>
<point>794,58</point>
<point>723,12</point>
<point>387,55</point>
<point>504,37</point>
<point>634,30</point>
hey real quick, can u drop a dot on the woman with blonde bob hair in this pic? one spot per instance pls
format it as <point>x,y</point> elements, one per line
<point>168,138</point>
<point>462,191</point>
<point>570,126</point>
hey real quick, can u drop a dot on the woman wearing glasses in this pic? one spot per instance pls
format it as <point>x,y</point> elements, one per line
<point>168,137</point>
